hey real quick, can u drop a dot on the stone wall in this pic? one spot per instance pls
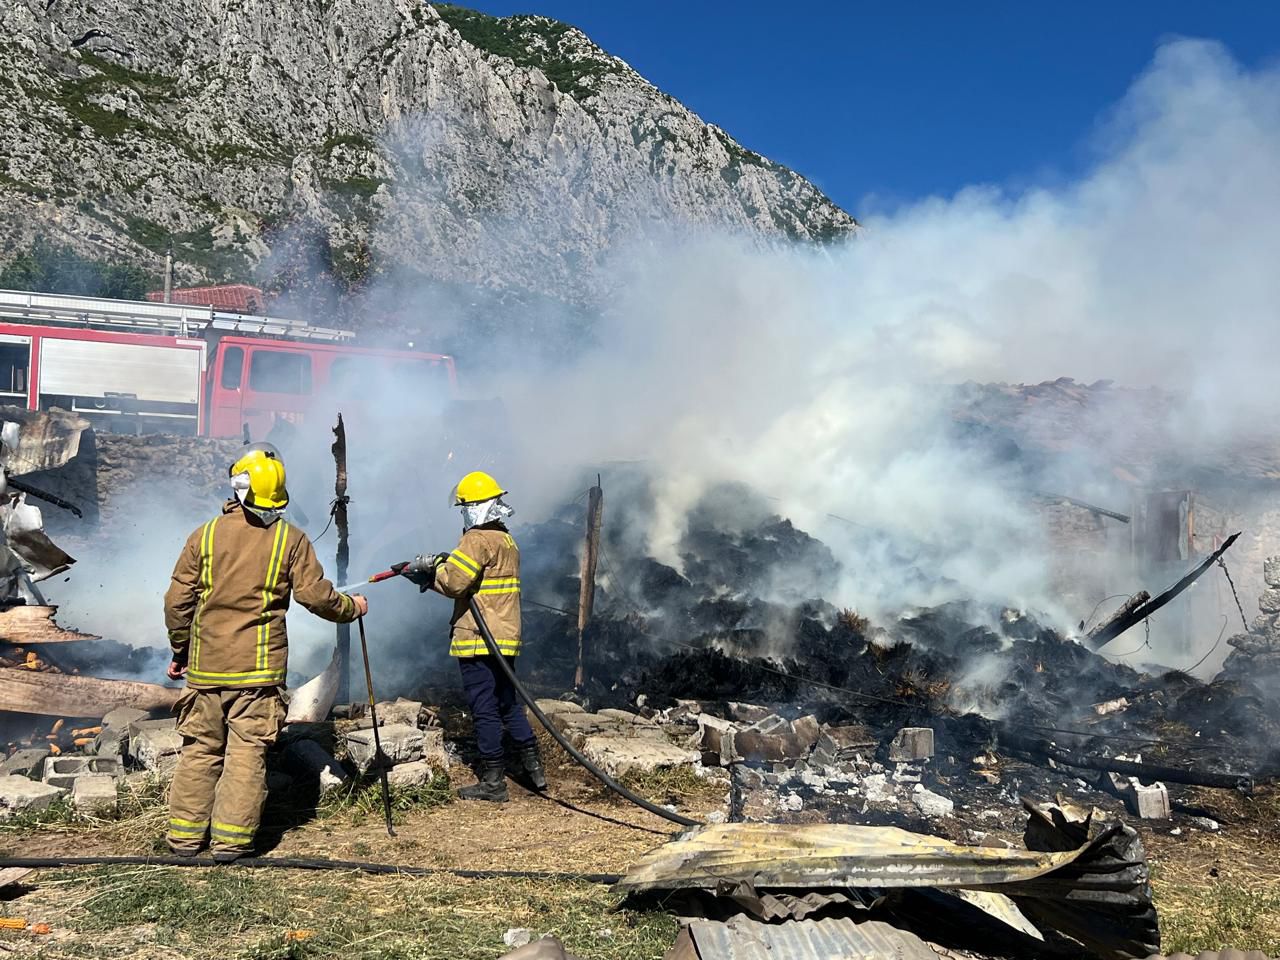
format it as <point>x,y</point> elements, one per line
<point>116,475</point>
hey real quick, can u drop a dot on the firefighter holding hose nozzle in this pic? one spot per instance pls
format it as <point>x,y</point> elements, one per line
<point>225,613</point>
<point>485,566</point>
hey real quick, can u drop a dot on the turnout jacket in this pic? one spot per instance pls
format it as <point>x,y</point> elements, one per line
<point>486,565</point>
<point>226,604</point>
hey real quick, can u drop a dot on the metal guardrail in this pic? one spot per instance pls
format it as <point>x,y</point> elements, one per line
<point>167,319</point>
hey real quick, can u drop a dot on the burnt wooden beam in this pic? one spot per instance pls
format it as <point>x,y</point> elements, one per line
<point>1119,625</point>
<point>1092,508</point>
<point>32,624</point>
<point>587,576</point>
<point>1037,749</point>
<point>339,449</point>
<point>1126,608</point>
<point>68,695</point>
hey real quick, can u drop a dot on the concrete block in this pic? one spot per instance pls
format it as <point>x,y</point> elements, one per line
<point>618,755</point>
<point>908,772</point>
<point>415,774</point>
<point>912,743</point>
<point>1149,802</point>
<point>28,762</point>
<point>554,707</point>
<point>715,739</point>
<point>137,727</point>
<point>64,771</point>
<point>123,717</point>
<point>773,739</point>
<point>623,717</point>
<point>931,805</point>
<point>399,712</point>
<point>21,794</point>
<point>113,741</point>
<point>152,746</point>
<point>1271,571</point>
<point>400,742</point>
<point>95,794</point>
<point>749,712</point>
<point>312,764</point>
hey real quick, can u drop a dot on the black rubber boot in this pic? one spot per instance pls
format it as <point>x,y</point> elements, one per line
<point>492,785</point>
<point>531,764</point>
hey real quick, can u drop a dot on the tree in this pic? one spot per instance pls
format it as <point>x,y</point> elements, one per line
<point>54,268</point>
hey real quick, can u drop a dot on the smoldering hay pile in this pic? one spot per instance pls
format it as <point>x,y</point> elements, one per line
<point>745,621</point>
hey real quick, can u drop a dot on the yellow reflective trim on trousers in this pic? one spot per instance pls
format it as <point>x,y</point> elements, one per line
<point>268,588</point>
<point>187,828</point>
<point>187,823</point>
<point>234,828</point>
<point>206,581</point>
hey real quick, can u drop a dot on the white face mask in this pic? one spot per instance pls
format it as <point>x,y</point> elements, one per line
<point>478,514</point>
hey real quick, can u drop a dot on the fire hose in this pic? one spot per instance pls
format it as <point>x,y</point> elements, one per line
<point>560,738</point>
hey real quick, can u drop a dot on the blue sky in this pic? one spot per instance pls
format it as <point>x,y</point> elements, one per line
<point>881,103</point>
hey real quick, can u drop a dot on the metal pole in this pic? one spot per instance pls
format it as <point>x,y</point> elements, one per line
<point>168,273</point>
<point>344,553</point>
<point>379,758</point>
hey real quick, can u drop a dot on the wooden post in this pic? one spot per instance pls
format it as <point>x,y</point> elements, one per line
<point>344,554</point>
<point>587,590</point>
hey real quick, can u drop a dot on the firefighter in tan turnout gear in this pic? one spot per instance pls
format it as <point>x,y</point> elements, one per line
<point>485,565</point>
<point>225,613</point>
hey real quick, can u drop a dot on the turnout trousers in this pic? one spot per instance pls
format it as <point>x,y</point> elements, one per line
<point>494,705</point>
<point>221,781</point>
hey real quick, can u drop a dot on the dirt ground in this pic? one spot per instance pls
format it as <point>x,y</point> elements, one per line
<point>1213,889</point>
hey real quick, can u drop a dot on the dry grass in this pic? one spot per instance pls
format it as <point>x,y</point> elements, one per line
<point>257,915</point>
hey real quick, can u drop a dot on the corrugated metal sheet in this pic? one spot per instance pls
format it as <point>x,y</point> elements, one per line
<point>814,856</point>
<point>834,939</point>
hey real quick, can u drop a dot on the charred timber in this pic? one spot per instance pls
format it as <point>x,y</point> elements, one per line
<point>1092,508</point>
<point>1119,625</point>
<point>1126,608</point>
<point>1036,748</point>
<point>65,695</point>
<point>32,624</point>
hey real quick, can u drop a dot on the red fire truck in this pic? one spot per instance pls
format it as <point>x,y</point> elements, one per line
<point>138,367</point>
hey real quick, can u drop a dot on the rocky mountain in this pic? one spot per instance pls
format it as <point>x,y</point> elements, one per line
<point>272,138</point>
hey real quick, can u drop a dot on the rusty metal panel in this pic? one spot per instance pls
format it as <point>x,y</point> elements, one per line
<point>832,939</point>
<point>817,856</point>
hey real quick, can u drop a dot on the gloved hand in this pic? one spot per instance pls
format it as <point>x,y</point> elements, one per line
<point>420,570</point>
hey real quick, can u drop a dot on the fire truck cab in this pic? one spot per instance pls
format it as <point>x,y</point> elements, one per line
<point>138,367</point>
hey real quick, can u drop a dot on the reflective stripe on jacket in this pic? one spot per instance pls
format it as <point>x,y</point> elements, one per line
<point>485,564</point>
<point>225,607</point>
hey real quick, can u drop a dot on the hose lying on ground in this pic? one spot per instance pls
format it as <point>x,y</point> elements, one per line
<point>560,738</point>
<point>290,863</point>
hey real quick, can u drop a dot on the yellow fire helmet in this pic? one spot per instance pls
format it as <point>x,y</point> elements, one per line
<point>476,487</point>
<point>248,452</point>
<point>258,481</point>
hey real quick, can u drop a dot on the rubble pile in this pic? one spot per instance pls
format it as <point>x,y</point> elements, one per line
<point>130,746</point>
<point>943,715</point>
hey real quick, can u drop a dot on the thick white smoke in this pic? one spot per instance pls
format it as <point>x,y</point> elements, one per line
<point>813,374</point>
